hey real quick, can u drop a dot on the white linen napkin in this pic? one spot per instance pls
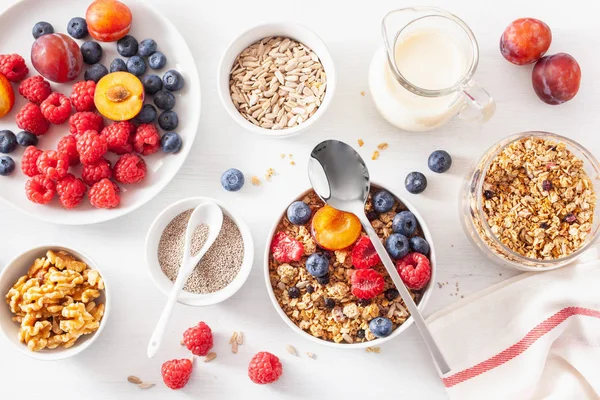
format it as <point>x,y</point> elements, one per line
<point>534,336</point>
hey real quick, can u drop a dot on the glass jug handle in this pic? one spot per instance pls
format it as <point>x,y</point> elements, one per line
<point>479,105</point>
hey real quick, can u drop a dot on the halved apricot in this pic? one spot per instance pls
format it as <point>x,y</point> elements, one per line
<point>119,96</point>
<point>7,96</point>
<point>334,229</point>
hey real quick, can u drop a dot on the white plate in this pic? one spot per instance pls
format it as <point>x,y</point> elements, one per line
<point>15,30</point>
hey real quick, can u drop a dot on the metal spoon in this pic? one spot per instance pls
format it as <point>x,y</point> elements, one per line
<point>340,177</point>
<point>207,213</point>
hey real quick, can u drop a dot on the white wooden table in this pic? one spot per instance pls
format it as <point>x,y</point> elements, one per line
<point>352,31</point>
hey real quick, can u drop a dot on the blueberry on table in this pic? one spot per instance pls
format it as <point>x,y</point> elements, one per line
<point>118,65</point>
<point>415,182</point>
<point>404,223</point>
<point>41,28</point>
<point>439,161</point>
<point>171,143</point>
<point>127,46</point>
<point>380,327</point>
<point>147,47</point>
<point>136,66</point>
<point>95,73</point>
<point>232,180</point>
<point>25,139</point>
<point>168,120</point>
<point>91,52</point>
<point>397,245</point>
<point>419,245</point>
<point>383,201</point>
<point>317,265</point>
<point>8,141</point>
<point>7,165</point>
<point>77,28</point>
<point>157,60</point>
<point>172,80</point>
<point>299,213</point>
<point>147,114</point>
<point>152,84</point>
<point>164,100</point>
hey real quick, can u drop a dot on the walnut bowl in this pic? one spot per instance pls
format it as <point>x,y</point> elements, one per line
<point>18,267</point>
<point>425,293</point>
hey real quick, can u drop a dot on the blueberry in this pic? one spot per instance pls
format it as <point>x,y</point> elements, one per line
<point>310,289</point>
<point>404,223</point>
<point>360,333</point>
<point>91,52</point>
<point>118,65</point>
<point>383,201</point>
<point>415,182</point>
<point>380,326</point>
<point>329,303</point>
<point>317,265</point>
<point>25,139</point>
<point>419,245</point>
<point>168,120</point>
<point>232,180</point>
<point>397,245</point>
<point>164,100</point>
<point>299,213</point>
<point>323,280</point>
<point>77,28</point>
<point>127,46</point>
<point>294,292</point>
<point>172,80</point>
<point>157,60</point>
<point>41,28</point>
<point>95,73</point>
<point>171,143</point>
<point>152,84</point>
<point>147,114</point>
<point>147,47</point>
<point>439,161</point>
<point>391,294</point>
<point>7,165</point>
<point>136,65</point>
<point>8,142</point>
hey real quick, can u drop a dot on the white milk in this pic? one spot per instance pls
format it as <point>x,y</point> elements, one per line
<point>429,59</point>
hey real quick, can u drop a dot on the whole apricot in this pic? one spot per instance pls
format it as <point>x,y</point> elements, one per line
<point>108,20</point>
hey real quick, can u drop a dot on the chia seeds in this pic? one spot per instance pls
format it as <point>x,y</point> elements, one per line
<point>219,266</point>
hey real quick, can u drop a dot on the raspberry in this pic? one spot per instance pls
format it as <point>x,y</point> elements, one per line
<point>56,108</point>
<point>285,248</point>
<point>118,135</point>
<point>130,168</point>
<point>364,254</point>
<point>82,96</point>
<point>35,89</point>
<point>29,161</point>
<point>70,191</point>
<point>366,283</point>
<point>146,140</point>
<point>264,368</point>
<point>92,173</point>
<point>104,194</point>
<point>91,146</point>
<point>176,373</point>
<point>40,189</point>
<point>53,165</point>
<point>415,270</point>
<point>85,121</point>
<point>13,67</point>
<point>31,119</point>
<point>67,145</point>
<point>198,339</point>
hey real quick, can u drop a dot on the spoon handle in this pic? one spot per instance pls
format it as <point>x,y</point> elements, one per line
<point>435,351</point>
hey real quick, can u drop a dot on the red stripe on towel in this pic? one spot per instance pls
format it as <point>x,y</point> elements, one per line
<point>519,347</point>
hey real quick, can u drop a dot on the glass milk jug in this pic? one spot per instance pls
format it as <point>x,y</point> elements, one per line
<point>423,75</point>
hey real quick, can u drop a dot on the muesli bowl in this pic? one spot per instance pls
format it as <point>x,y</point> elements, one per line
<point>421,296</point>
<point>536,236</point>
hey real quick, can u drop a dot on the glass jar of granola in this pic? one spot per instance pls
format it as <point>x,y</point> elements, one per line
<point>531,201</point>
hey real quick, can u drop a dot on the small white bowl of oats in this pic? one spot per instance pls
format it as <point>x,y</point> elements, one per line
<point>57,302</point>
<point>326,309</point>
<point>276,79</point>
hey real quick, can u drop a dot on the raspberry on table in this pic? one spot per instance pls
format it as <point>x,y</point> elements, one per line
<point>31,119</point>
<point>82,96</point>
<point>29,161</point>
<point>56,108</point>
<point>415,270</point>
<point>364,254</point>
<point>91,146</point>
<point>130,168</point>
<point>95,172</point>
<point>264,368</point>
<point>85,121</point>
<point>67,145</point>
<point>35,89</point>
<point>40,189</point>
<point>367,283</point>
<point>53,165</point>
<point>118,136</point>
<point>70,191</point>
<point>198,339</point>
<point>285,248</point>
<point>146,140</point>
<point>13,67</point>
<point>176,373</point>
<point>104,194</point>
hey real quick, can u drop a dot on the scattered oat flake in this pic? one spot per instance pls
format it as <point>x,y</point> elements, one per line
<point>134,379</point>
<point>311,355</point>
<point>362,93</point>
<point>256,180</point>
<point>373,350</point>
<point>361,143</point>
<point>290,155</point>
<point>233,337</point>
<point>282,155</point>
<point>240,338</point>
<point>234,347</point>
<point>375,155</point>
<point>292,350</point>
<point>145,385</point>
<point>210,356</point>
<point>382,146</point>
<point>270,172</point>
<point>292,163</point>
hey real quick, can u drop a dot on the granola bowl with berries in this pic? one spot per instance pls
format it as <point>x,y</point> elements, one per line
<point>326,280</point>
<point>56,302</point>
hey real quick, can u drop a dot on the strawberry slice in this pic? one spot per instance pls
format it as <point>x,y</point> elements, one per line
<point>364,254</point>
<point>285,248</point>
<point>367,283</point>
<point>415,270</point>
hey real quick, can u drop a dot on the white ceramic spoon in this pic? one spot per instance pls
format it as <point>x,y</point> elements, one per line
<point>209,214</point>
